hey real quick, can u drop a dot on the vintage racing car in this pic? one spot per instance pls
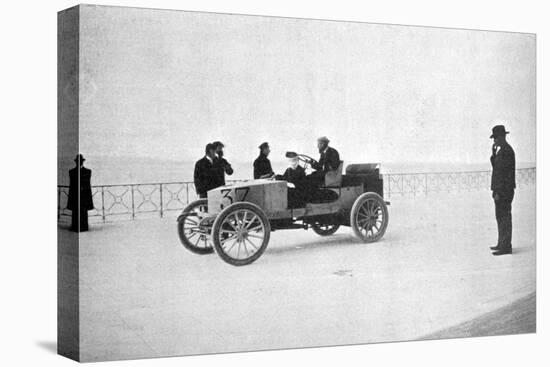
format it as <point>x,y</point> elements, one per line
<point>236,220</point>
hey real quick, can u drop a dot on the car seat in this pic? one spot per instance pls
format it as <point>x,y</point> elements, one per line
<point>334,178</point>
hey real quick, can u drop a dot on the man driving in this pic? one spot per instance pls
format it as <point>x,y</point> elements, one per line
<point>328,161</point>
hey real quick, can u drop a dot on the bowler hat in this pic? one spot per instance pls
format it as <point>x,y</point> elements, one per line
<point>499,130</point>
<point>323,138</point>
<point>79,158</point>
<point>264,145</point>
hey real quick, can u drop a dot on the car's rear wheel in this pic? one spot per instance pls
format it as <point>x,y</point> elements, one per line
<point>241,233</point>
<point>188,228</point>
<point>324,229</point>
<point>369,217</point>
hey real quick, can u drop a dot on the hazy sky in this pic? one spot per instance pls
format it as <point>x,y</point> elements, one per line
<point>161,84</point>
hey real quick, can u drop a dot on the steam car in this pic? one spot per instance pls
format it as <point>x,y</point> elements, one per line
<point>236,220</point>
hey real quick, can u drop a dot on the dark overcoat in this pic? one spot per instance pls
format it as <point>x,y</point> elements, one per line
<point>262,166</point>
<point>205,176</point>
<point>221,166</point>
<point>328,161</point>
<point>503,178</point>
<point>86,200</point>
<point>295,176</point>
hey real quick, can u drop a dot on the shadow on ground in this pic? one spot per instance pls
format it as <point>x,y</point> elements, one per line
<point>341,240</point>
<point>48,345</point>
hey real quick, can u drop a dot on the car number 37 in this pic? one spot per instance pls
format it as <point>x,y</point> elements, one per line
<point>230,196</point>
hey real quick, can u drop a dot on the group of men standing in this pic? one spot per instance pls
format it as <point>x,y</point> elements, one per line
<point>211,169</point>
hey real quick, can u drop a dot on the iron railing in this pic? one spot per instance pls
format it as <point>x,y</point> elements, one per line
<point>400,184</point>
<point>129,201</point>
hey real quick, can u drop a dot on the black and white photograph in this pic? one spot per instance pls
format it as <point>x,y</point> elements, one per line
<point>241,183</point>
<point>236,178</point>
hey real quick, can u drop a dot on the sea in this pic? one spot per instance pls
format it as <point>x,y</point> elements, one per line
<point>126,170</point>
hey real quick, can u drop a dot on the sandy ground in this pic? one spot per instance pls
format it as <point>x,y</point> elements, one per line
<point>143,294</point>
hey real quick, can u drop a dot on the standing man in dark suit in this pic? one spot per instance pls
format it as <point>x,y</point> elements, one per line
<point>503,183</point>
<point>262,165</point>
<point>205,176</point>
<point>221,165</point>
<point>328,161</point>
<point>80,195</point>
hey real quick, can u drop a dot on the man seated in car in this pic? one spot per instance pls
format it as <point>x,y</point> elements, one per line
<point>328,161</point>
<point>295,174</point>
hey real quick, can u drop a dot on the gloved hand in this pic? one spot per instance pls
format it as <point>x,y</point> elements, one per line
<point>495,148</point>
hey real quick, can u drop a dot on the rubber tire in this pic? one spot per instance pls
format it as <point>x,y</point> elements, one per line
<point>217,226</point>
<point>354,212</point>
<point>185,242</point>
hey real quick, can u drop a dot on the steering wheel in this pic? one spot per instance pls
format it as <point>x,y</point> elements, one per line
<point>305,159</point>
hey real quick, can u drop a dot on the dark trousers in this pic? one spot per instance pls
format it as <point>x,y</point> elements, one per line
<point>82,225</point>
<point>316,179</point>
<point>503,213</point>
<point>311,185</point>
<point>296,197</point>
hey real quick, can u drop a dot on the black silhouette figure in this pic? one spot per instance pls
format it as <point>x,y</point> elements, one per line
<point>503,183</point>
<point>206,176</point>
<point>80,195</point>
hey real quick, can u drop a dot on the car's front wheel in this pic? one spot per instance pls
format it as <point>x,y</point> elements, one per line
<point>241,233</point>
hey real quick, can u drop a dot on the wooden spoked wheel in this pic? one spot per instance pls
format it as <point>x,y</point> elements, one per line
<point>192,238</point>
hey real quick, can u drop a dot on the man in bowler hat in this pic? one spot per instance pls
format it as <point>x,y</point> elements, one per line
<point>80,195</point>
<point>503,183</point>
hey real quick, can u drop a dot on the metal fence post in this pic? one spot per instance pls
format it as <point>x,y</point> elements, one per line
<point>133,207</point>
<point>161,213</point>
<point>426,184</point>
<point>58,203</point>
<point>103,203</point>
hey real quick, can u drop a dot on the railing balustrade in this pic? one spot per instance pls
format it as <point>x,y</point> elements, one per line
<point>129,201</point>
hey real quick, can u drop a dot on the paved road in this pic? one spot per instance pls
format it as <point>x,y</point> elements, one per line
<point>143,294</point>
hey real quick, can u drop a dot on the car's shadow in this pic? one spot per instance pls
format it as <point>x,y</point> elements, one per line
<point>342,239</point>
